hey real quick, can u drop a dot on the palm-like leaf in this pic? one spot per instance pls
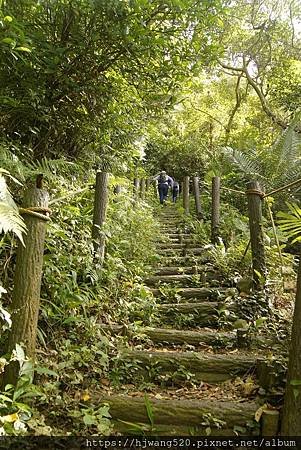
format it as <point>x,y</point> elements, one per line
<point>280,166</point>
<point>286,153</point>
<point>290,222</point>
<point>10,220</point>
<point>249,166</point>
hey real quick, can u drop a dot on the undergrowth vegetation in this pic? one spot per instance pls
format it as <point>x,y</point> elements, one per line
<point>77,296</point>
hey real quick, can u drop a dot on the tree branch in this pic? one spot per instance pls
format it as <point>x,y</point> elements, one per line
<point>239,99</point>
<point>244,71</point>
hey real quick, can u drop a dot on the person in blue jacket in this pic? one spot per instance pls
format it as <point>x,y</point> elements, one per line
<point>164,181</point>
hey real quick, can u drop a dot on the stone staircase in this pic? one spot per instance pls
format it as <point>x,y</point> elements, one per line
<point>197,380</point>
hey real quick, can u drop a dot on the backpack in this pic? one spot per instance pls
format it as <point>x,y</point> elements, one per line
<point>163,178</point>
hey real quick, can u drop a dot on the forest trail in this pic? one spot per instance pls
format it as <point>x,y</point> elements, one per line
<point>196,380</point>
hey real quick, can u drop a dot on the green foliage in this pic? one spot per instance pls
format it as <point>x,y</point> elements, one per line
<point>290,222</point>
<point>16,409</point>
<point>86,79</point>
<point>10,220</point>
<point>276,166</point>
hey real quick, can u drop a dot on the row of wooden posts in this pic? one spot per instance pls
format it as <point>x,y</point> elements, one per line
<point>254,196</point>
<point>29,261</point>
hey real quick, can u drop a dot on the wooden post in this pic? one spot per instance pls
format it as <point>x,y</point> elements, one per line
<point>256,234</point>
<point>291,417</point>
<point>186,194</point>
<point>147,184</point>
<point>215,209</point>
<point>136,188</point>
<point>142,189</point>
<point>99,216</point>
<point>269,422</point>
<point>197,197</point>
<point>27,280</point>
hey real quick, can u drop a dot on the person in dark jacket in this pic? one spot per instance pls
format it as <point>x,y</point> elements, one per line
<point>164,182</point>
<point>175,191</point>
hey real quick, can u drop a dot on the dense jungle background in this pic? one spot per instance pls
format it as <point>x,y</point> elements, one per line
<point>129,88</point>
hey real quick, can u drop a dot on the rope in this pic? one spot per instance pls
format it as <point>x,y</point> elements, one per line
<point>225,188</point>
<point>256,192</point>
<point>233,190</point>
<point>276,238</point>
<point>64,197</point>
<point>32,211</point>
<point>283,187</point>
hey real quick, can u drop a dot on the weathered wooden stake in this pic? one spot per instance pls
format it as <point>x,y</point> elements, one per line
<point>269,422</point>
<point>136,188</point>
<point>186,194</point>
<point>27,280</point>
<point>215,209</point>
<point>99,216</point>
<point>147,184</point>
<point>256,233</point>
<point>197,197</point>
<point>142,189</point>
<point>291,417</point>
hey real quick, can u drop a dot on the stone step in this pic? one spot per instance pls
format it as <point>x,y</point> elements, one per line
<point>176,245</point>
<point>201,337</point>
<point>179,417</point>
<point>192,293</point>
<point>181,251</point>
<point>176,270</point>
<point>172,279</point>
<point>204,314</point>
<point>172,367</point>
<point>188,260</point>
<point>184,279</point>
<point>178,240</point>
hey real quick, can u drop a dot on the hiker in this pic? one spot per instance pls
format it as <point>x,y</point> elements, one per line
<point>164,182</point>
<point>175,191</point>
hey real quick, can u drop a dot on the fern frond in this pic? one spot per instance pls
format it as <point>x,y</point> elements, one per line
<point>9,160</point>
<point>248,166</point>
<point>290,222</point>
<point>10,220</point>
<point>51,167</point>
<point>286,153</point>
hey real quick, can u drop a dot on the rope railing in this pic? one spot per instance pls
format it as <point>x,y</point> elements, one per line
<point>293,183</point>
<point>78,191</point>
<point>260,193</point>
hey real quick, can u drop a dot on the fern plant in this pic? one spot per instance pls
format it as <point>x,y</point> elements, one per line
<point>276,167</point>
<point>290,222</point>
<point>10,219</point>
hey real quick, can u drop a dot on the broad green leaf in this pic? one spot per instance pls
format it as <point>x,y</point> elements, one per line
<point>23,49</point>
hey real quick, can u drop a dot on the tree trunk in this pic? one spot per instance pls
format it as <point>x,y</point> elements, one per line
<point>215,209</point>
<point>291,422</point>
<point>186,194</point>
<point>197,197</point>
<point>100,208</point>
<point>27,283</point>
<point>256,233</point>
